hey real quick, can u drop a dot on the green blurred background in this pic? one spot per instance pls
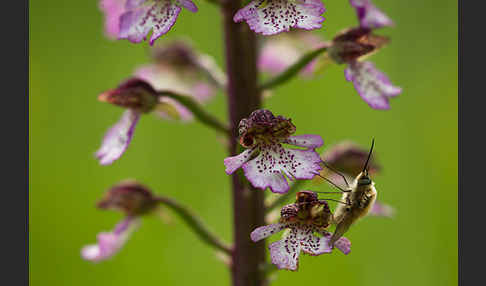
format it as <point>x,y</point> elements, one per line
<point>71,62</point>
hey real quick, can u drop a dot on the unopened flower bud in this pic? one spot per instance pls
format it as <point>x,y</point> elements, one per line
<point>355,44</point>
<point>133,94</point>
<point>129,197</point>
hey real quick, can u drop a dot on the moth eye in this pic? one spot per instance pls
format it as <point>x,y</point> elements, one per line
<point>348,209</point>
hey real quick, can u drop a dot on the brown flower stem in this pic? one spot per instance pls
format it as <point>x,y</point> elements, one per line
<point>243,98</point>
<point>195,223</point>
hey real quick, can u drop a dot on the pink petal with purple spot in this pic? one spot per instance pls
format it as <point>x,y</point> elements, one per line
<point>234,163</point>
<point>118,138</point>
<point>269,167</point>
<point>373,86</point>
<point>158,16</point>
<point>269,17</point>
<point>109,243</point>
<point>266,230</point>
<point>369,16</point>
<point>285,253</point>
<point>314,245</point>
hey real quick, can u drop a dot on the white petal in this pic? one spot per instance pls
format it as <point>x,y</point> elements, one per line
<point>118,138</point>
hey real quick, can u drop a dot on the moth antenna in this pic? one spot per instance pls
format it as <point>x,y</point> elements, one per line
<point>332,183</point>
<point>337,172</point>
<point>365,168</point>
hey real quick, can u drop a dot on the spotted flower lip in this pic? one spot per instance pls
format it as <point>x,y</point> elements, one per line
<point>301,237</point>
<point>283,50</point>
<point>139,17</point>
<point>372,85</point>
<point>109,243</point>
<point>266,162</point>
<point>269,17</point>
<point>369,16</point>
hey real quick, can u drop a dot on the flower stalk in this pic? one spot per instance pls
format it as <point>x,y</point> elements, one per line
<point>243,98</point>
<point>198,111</point>
<point>293,70</point>
<point>195,224</point>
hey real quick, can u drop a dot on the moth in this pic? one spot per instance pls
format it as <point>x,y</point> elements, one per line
<point>357,201</point>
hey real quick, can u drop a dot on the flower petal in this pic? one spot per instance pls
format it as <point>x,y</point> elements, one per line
<point>307,141</point>
<point>109,243</point>
<point>369,16</point>
<point>312,244</point>
<point>188,83</point>
<point>235,162</point>
<point>266,230</point>
<point>169,108</point>
<point>372,85</point>
<point>118,138</point>
<point>188,4</point>
<point>270,17</point>
<point>281,51</point>
<point>343,244</point>
<point>285,252</point>
<point>381,209</point>
<point>159,17</point>
<point>112,9</point>
<point>267,169</point>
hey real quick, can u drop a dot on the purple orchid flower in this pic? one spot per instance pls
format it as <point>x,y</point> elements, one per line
<point>134,19</point>
<point>266,162</point>
<point>269,17</point>
<point>134,200</point>
<point>353,45</point>
<point>301,220</point>
<point>109,243</point>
